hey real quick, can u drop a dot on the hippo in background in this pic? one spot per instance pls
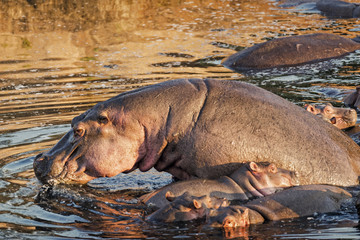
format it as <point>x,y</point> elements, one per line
<point>291,51</point>
<point>250,181</point>
<point>341,118</point>
<point>295,202</point>
<point>352,100</point>
<point>199,128</point>
<point>329,8</point>
<point>338,9</point>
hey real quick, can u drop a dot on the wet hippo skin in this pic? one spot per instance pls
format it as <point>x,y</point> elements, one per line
<point>338,9</point>
<point>341,118</point>
<point>199,128</point>
<point>301,201</point>
<point>291,51</point>
<point>251,180</point>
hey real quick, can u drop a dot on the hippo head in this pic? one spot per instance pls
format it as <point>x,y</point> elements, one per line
<point>229,217</point>
<point>341,118</point>
<point>186,207</point>
<point>101,143</point>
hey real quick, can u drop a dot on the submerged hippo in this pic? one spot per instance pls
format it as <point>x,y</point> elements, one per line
<point>199,128</point>
<point>294,202</point>
<point>341,118</point>
<point>291,51</point>
<point>338,9</point>
<point>301,201</point>
<point>185,207</point>
<point>353,99</point>
<point>251,180</point>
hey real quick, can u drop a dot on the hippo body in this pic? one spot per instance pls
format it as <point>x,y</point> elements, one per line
<point>199,128</point>
<point>341,118</point>
<point>338,9</point>
<point>251,180</point>
<point>301,201</point>
<point>291,51</point>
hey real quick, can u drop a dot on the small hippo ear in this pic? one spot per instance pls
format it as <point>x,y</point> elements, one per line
<point>169,196</point>
<point>272,168</point>
<point>254,167</point>
<point>328,109</point>
<point>197,204</point>
<point>310,108</point>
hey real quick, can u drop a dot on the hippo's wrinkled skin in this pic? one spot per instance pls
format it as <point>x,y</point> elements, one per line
<point>353,99</point>
<point>294,202</point>
<point>291,51</point>
<point>185,207</point>
<point>338,9</point>
<point>341,118</point>
<point>200,128</point>
<point>251,180</point>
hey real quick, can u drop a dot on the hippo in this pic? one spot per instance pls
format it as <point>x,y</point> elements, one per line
<point>300,201</point>
<point>352,100</point>
<point>291,51</point>
<point>338,9</point>
<point>249,181</point>
<point>185,207</point>
<point>199,128</point>
<point>341,118</point>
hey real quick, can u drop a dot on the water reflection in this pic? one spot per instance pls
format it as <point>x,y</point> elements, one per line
<point>59,58</point>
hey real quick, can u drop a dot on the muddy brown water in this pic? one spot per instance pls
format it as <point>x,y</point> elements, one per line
<point>59,58</point>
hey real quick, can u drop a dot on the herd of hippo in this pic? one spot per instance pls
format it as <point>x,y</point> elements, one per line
<point>242,155</point>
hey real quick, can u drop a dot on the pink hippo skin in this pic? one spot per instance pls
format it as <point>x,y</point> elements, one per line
<point>294,202</point>
<point>251,180</point>
<point>199,128</point>
<point>341,118</point>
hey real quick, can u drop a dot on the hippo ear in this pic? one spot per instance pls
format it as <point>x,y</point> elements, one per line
<point>310,108</point>
<point>272,168</point>
<point>169,196</point>
<point>245,220</point>
<point>328,109</point>
<point>254,167</point>
<point>197,204</point>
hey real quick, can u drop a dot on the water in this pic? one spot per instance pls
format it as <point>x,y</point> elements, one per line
<point>59,58</point>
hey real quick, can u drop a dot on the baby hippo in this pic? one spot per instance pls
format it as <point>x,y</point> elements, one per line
<point>341,118</point>
<point>295,202</point>
<point>249,181</point>
<point>186,207</point>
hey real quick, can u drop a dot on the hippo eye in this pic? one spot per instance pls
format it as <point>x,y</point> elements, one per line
<point>103,120</point>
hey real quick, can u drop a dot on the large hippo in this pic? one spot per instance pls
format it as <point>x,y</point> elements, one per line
<point>291,51</point>
<point>199,128</point>
<point>251,180</point>
<point>294,202</point>
<point>341,118</point>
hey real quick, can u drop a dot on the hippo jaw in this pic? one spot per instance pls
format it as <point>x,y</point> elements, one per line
<point>95,147</point>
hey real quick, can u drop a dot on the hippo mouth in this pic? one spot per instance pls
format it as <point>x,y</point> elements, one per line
<point>43,164</point>
<point>344,121</point>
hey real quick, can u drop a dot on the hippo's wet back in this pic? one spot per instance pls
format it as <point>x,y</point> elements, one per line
<point>202,128</point>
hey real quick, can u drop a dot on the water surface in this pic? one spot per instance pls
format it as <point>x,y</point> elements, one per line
<point>59,58</point>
